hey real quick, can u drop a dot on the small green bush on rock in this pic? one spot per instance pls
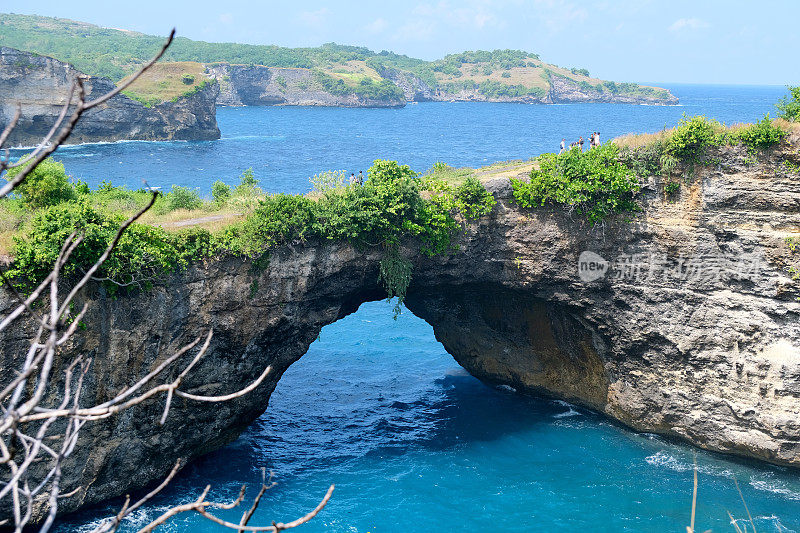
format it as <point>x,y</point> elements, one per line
<point>761,135</point>
<point>790,107</point>
<point>220,192</point>
<point>692,136</point>
<point>144,253</point>
<point>47,185</point>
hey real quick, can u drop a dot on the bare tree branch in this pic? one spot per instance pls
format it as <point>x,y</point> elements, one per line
<point>37,436</point>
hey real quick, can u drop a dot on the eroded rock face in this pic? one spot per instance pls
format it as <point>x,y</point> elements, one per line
<point>258,85</point>
<point>565,91</point>
<point>692,331</point>
<point>41,86</point>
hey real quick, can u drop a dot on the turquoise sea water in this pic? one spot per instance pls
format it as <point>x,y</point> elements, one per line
<point>287,145</point>
<point>381,410</point>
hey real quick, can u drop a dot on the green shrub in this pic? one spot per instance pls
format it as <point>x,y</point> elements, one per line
<point>117,199</point>
<point>187,79</point>
<point>278,219</point>
<point>692,136</point>
<point>672,187</point>
<point>383,90</point>
<point>247,180</point>
<point>48,184</point>
<point>762,135</point>
<point>335,86</point>
<point>182,198</point>
<point>144,253</point>
<point>790,107</point>
<point>505,75</point>
<point>147,102</point>
<point>440,166</point>
<point>595,183</point>
<point>472,199</point>
<point>220,192</point>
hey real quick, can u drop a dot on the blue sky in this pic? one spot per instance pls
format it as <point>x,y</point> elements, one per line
<point>699,41</point>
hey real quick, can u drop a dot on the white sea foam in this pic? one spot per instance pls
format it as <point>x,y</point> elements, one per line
<point>571,411</point>
<point>775,487</point>
<point>666,460</point>
<point>507,388</point>
<point>566,414</point>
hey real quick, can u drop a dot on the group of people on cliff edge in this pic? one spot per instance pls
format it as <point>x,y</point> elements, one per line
<point>357,180</point>
<point>594,142</point>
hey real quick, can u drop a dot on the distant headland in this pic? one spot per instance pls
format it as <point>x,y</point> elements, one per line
<point>329,75</point>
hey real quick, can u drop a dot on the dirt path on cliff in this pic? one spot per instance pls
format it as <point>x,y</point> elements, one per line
<point>201,221</point>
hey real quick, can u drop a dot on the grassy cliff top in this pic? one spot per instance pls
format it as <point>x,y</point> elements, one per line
<point>167,82</point>
<point>115,53</point>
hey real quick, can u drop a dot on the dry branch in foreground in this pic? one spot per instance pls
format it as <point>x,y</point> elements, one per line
<point>38,434</point>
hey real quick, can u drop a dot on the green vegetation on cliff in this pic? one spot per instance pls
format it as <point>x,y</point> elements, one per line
<point>365,87</point>
<point>790,107</point>
<point>604,181</point>
<point>116,53</point>
<point>165,82</point>
<point>389,209</point>
<point>595,183</point>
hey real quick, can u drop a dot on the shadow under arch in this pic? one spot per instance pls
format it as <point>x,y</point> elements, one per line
<point>369,390</point>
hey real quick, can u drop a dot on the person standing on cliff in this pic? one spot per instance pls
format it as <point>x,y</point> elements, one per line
<point>563,146</point>
<point>360,178</point>
<point>353,179</point>
<point>597,139</point>
<point>580,143</point>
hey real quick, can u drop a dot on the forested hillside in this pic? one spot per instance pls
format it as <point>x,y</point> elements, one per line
<point>486,75</point>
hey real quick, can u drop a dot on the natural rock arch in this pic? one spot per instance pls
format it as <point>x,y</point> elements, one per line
<point>712,361</point>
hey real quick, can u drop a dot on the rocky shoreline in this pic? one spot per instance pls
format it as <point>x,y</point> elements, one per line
<point>243,85</point>
<point>40,85</point>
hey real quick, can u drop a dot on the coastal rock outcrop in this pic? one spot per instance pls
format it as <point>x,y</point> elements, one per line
<point>681,320</point>
<point>40,85</point>
<point>258,85</point>
<point>564,90</point>
<point>413,87</point>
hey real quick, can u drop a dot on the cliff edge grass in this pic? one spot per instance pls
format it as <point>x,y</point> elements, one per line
<point>394,205</point>
<point>167,82</point>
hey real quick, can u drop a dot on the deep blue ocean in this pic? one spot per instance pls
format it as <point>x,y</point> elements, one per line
<point>378,407</point>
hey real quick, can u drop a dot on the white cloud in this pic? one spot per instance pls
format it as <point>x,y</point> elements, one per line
<point>416,30</point>
<point>316,18</point>
<point>688,24</point>
<point>566,16</point>
<point>427,18</point>
<point>377,26</point>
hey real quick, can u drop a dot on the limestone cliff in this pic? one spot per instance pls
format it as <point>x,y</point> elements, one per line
<point>688,324</point>
<point>41,85</point>
<point>257,85</point>
<point>260,85</point>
